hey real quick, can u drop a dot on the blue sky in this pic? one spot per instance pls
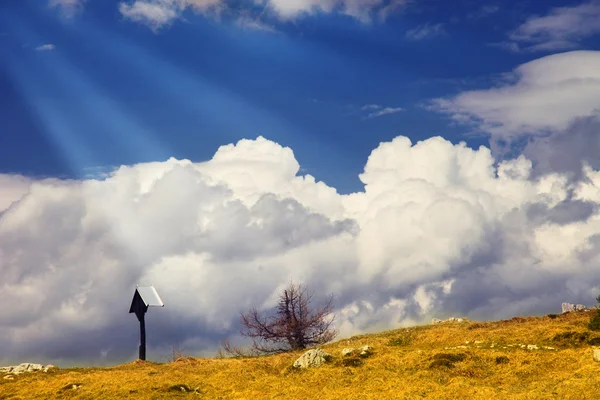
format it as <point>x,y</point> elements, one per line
<point>108,90</point>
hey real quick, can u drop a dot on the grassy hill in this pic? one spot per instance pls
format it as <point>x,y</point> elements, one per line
<point>433,362</point>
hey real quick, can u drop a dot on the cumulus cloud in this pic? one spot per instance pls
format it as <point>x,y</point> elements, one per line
<point>426,31</point>
<point>13,188</point>
<point>562,28</point>
<point>439,229</point>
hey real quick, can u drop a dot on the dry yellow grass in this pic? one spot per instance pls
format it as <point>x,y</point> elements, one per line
<point>408,363</point>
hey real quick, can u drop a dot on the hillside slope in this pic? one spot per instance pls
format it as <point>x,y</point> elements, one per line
<point>433,362</point>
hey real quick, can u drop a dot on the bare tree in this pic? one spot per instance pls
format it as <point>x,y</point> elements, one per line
<point>294,326</point>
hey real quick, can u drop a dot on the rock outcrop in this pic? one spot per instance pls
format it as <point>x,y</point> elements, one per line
<point>568,307</point>
<point>26,367</point>
<point>435,321</point>
<point>312,358</point>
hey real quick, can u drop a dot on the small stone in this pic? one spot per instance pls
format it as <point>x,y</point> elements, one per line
<point>478,342</point>
<point>9,377</point>
<point>532,347</point>
<point>597,355</point>
<point>347,351</point>
<point>435,321</point>
<point>365,351</point>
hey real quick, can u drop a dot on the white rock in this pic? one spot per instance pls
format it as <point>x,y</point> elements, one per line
<point>26,367</point>
<point>567,307</point>
<point>9,377</point>
<point>532,347</point>
<point>365,351</point>
<point>312,358</point>
<point>597,355</point>
<point>435,321</point>
<point>347,351</point>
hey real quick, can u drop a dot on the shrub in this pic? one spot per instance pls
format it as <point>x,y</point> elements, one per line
<point>571,338</point>
<point>502,360</point>
<point>594,324</point>
<point>447,360</point>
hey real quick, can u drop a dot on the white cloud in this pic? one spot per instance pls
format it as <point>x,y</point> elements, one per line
<point>360,9</point>
<point>546,95</point>
<point>371,107</point>
<point>438,230</point>
<point>46,47</point>
<point>68,7</point>
<point>157,13</point>
<point>385,111</point>
<point>153,13</point>
<point>426,31</point>
<point>14,187</point>
<point>563,28</point>
<point>376,110</point>
<point>253,23</point>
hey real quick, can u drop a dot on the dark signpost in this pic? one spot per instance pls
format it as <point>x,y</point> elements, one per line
<point>144,297</point>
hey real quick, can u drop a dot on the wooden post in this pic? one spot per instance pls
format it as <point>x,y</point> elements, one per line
<point>142,319</point>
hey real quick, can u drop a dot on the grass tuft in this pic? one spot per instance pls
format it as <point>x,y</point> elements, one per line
<point>502,360</point>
